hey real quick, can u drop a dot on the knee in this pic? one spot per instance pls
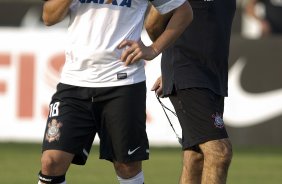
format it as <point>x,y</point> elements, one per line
<point>55,163</point>
<point>218,152</point>
<point>226,154</point>
<point>192,158</point>
<point>192,162</point>
<point>127,170</point>
<point>48,165</point>
<point>227,149</point>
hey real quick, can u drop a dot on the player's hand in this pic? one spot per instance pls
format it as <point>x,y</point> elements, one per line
<point>158,87</point>
<point>136,50</point>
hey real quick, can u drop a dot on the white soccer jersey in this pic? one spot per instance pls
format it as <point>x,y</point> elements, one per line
<point>96,28</point>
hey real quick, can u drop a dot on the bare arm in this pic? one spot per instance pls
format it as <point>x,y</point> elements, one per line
<point>174,23</point>
<point>180,18</point>
<point>55,11</point>
<point>155,23</point>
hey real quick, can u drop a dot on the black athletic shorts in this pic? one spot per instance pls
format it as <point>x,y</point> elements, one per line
<point>200,112</point>
<point>116,114</point>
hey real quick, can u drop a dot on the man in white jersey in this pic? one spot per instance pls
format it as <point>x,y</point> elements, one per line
<point>102,87</point>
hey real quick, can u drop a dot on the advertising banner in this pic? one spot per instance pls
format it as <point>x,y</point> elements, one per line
<point>30,65</point>
<point>31,61</point>
<point>253,110</point>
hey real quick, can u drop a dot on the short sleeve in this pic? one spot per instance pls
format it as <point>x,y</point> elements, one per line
<point>74,5</point>
<point>165,6</point>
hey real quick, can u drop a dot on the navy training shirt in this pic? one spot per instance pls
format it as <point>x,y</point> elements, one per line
<point>199,58</point>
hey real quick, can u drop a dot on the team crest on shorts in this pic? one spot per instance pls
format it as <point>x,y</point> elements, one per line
<point>218,121</point>
<point>53,133</point>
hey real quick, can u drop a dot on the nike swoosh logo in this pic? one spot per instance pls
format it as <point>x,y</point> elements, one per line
<point>246,109</point>
<point>131,152</point>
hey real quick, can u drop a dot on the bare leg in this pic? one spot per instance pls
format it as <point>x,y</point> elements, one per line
<point>217,158</point>
<point>192,167</point>
<point>55,162</point>
<point>128,170</point>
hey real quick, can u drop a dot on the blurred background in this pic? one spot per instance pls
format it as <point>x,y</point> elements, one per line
<point>31,57</point>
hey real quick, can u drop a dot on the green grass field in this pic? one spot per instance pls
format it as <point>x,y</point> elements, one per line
<point>19,163</point>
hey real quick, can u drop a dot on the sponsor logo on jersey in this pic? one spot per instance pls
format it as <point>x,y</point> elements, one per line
<point>124,3</point>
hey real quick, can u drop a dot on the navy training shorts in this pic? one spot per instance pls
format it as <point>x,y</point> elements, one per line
<point>200,113</point>
<point>116,114</point>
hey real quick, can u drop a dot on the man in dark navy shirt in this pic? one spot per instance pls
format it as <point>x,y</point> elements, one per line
<point>271,23</point>
<point>194,77</point>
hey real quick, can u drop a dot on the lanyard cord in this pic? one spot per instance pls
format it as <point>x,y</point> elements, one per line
<point>164,109</point>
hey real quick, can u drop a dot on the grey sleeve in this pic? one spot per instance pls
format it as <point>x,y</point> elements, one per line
<point>165,6</point>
